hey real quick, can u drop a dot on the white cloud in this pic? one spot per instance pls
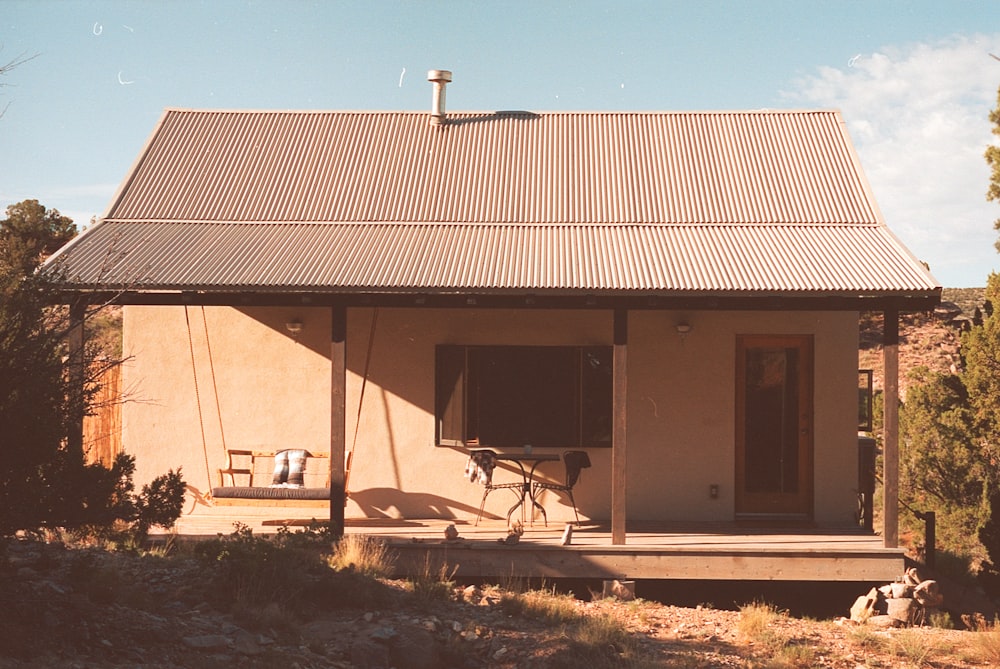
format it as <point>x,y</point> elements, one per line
<point>918,115</point>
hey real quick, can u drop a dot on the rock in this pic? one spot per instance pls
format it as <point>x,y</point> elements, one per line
<point>620,590</point>
<point>898,590</point>
<point>451,532</point>
<point>472,594</point>
<point>929,594</point>
<point>207,642</point>
<point>884,622</point>
<point>864,606</point>
<point>901,609</point>
<point>512,539</point>
<point>369,655</point>
<point>245,643</point>
<point>414,648</point>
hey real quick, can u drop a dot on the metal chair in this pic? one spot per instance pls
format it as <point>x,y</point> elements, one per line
<point>480,468</point>
<point>575,462</point>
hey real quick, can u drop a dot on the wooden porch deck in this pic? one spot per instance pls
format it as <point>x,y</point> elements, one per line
<point>689,551</point>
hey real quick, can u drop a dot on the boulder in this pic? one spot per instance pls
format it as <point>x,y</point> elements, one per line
<point>929,594</point>
<point>901,609</point>
<point>864,606</point>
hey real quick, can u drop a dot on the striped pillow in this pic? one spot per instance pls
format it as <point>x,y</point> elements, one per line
<point>296,467</point>
<point>280,468</point>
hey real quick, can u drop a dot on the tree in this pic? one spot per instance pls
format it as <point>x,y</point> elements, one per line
<point>7,67</point>
<point>950,446</point>
<point>30,233</point>
<point>993,160</point>
<point>44,482</point>
<point>942,468</point>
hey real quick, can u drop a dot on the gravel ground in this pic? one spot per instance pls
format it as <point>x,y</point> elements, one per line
<point>89,609</point>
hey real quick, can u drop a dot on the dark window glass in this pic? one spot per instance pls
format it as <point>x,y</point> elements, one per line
<point>509,396</point>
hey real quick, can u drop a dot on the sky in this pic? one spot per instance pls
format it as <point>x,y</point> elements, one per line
<point>914,80</point>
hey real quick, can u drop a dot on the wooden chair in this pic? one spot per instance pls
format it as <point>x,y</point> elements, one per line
<point>575,461</point>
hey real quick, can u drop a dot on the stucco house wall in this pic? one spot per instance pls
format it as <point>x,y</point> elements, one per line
<point>258,386</point>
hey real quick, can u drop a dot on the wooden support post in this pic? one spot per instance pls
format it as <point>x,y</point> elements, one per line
<point>338,417</point>
<point>890,430</point>
<point>76,335</point>
<point>619,413</point>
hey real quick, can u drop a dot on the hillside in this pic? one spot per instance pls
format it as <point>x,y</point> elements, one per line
<point>925,339</point>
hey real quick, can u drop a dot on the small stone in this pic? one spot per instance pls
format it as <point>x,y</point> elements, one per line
<point>883,621</point>
<point>899,590</point>
<point>206,642</point>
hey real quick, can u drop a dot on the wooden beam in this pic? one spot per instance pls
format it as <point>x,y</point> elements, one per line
<point>890,430</point>
<point>619,412</point>
<point>338,417</point>
<point>435,298</point>
<point>76,337</point>
<point>487,560</point>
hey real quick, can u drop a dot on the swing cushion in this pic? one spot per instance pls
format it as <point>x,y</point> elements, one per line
<point>264,492</point>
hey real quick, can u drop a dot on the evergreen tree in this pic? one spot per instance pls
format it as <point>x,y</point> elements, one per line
<point>43,482</point>
<point>993,160</point>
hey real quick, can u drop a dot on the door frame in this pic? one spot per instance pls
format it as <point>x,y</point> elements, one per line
<point>777,506</point>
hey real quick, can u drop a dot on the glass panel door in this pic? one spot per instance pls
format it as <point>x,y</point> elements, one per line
<point>774,426</point>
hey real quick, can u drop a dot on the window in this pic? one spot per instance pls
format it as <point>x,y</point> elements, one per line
<point>509,396</point>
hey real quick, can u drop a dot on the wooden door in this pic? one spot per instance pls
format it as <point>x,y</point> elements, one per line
<point>774,426</point>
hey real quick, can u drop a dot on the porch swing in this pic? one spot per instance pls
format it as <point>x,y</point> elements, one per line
<point>285,470</point>
<point>288,468</point>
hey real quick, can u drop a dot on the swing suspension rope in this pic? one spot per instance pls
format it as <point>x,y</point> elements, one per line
<point>197,398</point>
<point>361,401</point>
<point>197,393</point>
<point>215,386</point>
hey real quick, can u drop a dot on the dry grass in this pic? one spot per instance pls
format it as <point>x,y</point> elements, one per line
<point>364,554</point>
<point>986,645</point>
<point>433,582</point>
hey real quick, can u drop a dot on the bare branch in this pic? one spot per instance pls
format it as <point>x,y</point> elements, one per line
<point>7,67</point>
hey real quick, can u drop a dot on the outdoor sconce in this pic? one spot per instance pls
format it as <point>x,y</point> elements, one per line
<point>683,329</point>
<point>294,327</point>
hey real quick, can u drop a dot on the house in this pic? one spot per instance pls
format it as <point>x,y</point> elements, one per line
<point>677,294</point>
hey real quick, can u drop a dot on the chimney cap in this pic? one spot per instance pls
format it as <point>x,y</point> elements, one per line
<point>439,76</point>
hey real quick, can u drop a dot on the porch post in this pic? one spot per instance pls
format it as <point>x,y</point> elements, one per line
<point>890,430</point>
<point>75,337</point>
<point>338,416</point>
<point>618,443</point>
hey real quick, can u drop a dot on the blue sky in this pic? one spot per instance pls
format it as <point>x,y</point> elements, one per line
<point>914,80</point>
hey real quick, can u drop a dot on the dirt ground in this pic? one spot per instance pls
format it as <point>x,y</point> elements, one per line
<point>86,609</point>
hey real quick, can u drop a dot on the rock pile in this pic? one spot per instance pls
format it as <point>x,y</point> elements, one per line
<point>909,601</point>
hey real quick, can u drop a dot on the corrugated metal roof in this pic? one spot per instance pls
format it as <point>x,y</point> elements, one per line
<point>326,201</point>
<point>416,257</point>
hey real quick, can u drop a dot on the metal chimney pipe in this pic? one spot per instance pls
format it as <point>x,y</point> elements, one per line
<point>439,78</point>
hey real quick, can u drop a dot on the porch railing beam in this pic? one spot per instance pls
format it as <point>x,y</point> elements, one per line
<point>890,430</point>
<point>338,417</point>
<point>619,413</point>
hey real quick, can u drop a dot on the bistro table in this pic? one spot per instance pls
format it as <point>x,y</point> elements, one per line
<point>523,460</point>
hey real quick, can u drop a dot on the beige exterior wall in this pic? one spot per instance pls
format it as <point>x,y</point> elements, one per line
<point>273,391</point>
